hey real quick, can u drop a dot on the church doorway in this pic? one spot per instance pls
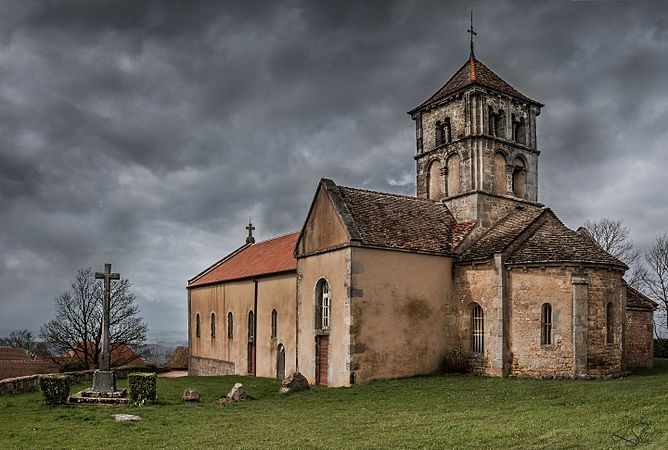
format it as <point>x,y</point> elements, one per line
<point>321,360</point>
<point>280,363</point>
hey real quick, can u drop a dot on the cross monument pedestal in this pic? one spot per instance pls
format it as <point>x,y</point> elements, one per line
<point>104,379</point>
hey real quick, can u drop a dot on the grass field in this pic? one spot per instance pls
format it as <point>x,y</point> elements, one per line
<point>422,412</point>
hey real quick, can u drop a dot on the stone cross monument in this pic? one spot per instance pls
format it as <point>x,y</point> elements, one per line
<point>104,380</point>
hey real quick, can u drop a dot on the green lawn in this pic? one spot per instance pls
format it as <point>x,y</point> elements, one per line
<point>432,412</point>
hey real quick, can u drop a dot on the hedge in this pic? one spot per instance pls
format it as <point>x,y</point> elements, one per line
<point>55,388</point>
<point>661,348</point>
<point>142,386</point>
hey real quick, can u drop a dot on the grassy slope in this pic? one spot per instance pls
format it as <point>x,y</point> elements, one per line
<point>440,412</point>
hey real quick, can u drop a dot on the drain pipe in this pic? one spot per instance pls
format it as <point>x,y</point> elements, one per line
<point>255,329</point>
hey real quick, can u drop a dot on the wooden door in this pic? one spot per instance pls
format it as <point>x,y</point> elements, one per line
<point>251,358</point>
<point>321,365</point>
<point>280,364</point>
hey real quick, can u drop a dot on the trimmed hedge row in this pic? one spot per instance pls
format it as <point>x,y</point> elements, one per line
<point>661,348</point>
<point>55,388</point>
<point>143,386</point>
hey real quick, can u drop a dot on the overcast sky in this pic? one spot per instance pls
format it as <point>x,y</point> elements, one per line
<point>145,134</point>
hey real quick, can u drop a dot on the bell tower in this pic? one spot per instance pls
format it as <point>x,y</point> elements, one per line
<point>476,145</point>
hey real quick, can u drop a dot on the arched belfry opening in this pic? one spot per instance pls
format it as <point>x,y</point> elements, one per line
<point>435,182</point>
<point>519,178</point>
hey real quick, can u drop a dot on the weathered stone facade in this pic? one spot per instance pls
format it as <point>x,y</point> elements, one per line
<point>385,285</point>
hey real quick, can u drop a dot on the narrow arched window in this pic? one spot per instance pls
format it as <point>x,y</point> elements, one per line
<point>519,178</point>
<point>521,131</point>
<point>197,328</point>
<point>213,325</point>
<point>477,330</point>
<point>435,181</point>
<point>610,323</point>
<point>500,124</point>
<point>251,324</point>
<point>230,325</point>
<point>323,297</point>
<point>546,324</point>
<point>452,166</point>
<point>274,321</point>
<point>439,135</point>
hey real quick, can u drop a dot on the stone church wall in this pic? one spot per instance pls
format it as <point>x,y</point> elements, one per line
<point>403,322</point>
<point>333,266</point>
<point>481,285</point>
<point>214,354</point>
<point>639,339</point>
<point>529,290</point>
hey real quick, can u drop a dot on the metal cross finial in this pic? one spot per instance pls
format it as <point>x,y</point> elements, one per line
<point>472,33</point>
<point>250,239</point>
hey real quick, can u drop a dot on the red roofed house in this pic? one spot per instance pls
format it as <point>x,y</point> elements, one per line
<point>379,285</point>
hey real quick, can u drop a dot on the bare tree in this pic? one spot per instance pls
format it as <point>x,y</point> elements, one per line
<point>22,339</point>
<point>613,237</point>
<point>76,329</point>
<point>655,279</point>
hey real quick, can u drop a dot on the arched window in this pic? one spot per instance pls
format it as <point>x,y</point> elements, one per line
<point>453,174</point>
<point>610,324</point>
<point>477,330</point>
<point>274,322</point>
<point>519,178</point>
<point>435,181</point>
<point>213,324</point>
<point>500,177</point>
<point>500,124</point>
<point>439,134</point>
<point>197,328</point>
<point>521,131</point>
<point>546,324</point>
<point>251,323</point>
<point>491,121</point>
<point>322,305</point>
<point>230,325</point>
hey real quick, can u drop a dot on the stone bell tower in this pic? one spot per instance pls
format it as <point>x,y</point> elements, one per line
<point>476,145</point>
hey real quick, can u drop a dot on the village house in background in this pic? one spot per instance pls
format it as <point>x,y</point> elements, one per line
<point>380,285</point>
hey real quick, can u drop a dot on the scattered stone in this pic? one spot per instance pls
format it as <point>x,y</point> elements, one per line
<point>122,417</point>
<point>237,393</point>
<point>190,395</point>
<point>294,383</point>
<point>224,400</point>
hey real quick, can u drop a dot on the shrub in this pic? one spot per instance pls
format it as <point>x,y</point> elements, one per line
<point>142,386</point>
<point>55,388</point>
<point>661,348</point>
<point>73,365</point>
<point>455,361</point>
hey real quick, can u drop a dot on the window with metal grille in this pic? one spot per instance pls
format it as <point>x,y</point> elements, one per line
<point>274,320</point>
<point>610,324</point>
<point>230,325</point>
<point>546,325</point>
<point>477,330</point>
<point>197,332</point>
<point>323,297</point>
<point>213,324</point>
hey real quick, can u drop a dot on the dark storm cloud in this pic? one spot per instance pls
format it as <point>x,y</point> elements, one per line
<point>146,133</point>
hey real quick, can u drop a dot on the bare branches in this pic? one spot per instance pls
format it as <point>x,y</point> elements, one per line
<point>655,279</point>
<point>76,329</point>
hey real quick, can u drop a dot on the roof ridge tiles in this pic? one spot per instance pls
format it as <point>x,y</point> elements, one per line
<point>278,236</point>
<point>405,196</point>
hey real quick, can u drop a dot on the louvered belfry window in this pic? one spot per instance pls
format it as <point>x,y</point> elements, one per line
<point>477,330</point>
<point>546,325</point>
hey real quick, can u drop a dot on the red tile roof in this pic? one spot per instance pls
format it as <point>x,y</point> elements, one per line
<point>13,353</point>
<point>274,255</point>
<point>473,72</point>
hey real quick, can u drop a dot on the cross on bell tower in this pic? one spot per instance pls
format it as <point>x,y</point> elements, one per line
<point>472,33</point>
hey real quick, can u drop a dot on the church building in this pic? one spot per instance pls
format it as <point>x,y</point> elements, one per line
<point>380,285</point>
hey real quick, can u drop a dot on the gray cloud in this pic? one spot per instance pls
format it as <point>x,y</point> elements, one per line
<point>145,133</point>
